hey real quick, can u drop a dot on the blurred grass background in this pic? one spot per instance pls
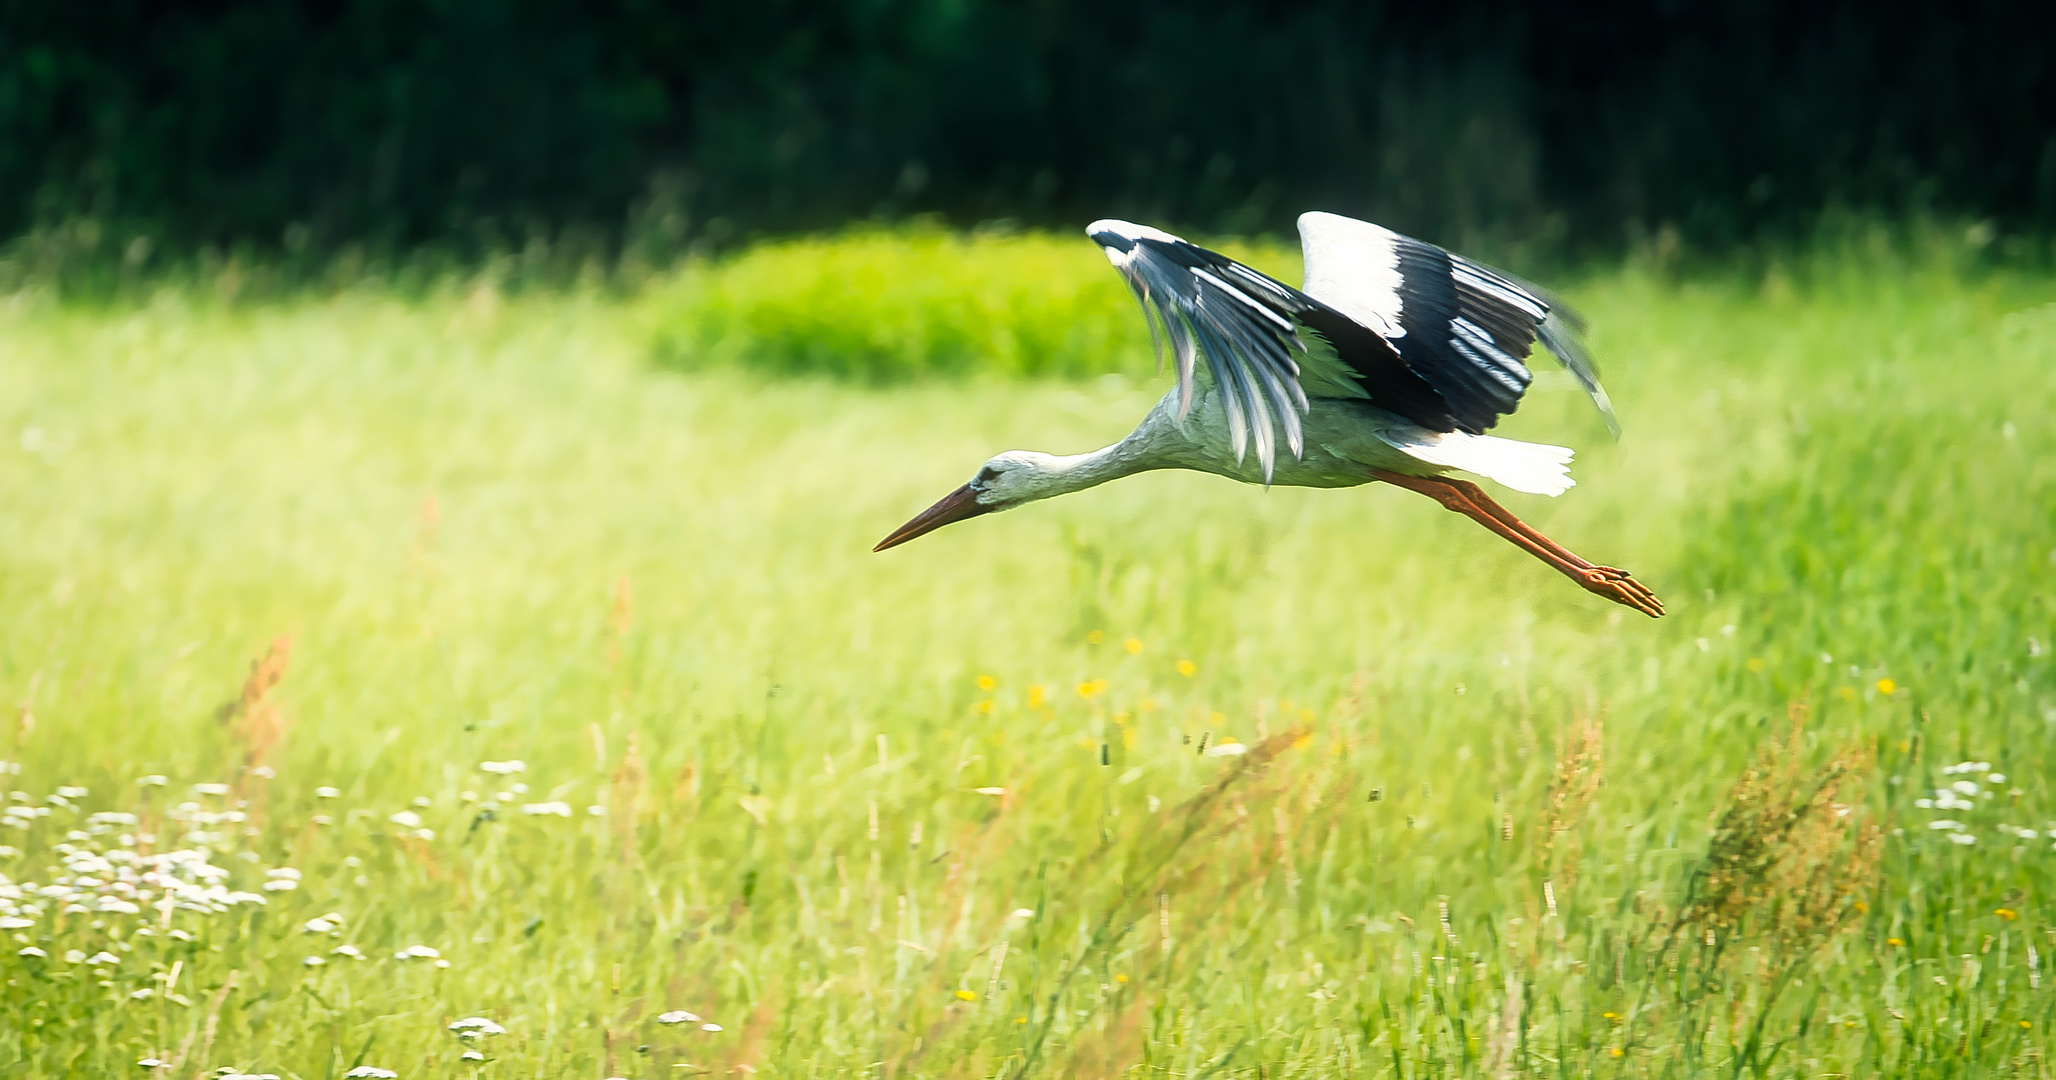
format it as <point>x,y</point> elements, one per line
<point>622,535</point>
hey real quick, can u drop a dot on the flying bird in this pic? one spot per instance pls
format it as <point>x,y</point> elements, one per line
<point>1389,365</point>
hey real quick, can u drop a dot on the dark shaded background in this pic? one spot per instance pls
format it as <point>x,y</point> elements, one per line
<point>306,125</point>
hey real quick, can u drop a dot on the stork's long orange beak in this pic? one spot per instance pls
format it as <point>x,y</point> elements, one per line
<point>955,506</point>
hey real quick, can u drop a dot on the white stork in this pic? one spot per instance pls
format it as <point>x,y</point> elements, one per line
<point>1390,365</point>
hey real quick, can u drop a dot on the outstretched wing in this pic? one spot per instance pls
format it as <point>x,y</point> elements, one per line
<point>1461,326</point>
<point>1204,304</point>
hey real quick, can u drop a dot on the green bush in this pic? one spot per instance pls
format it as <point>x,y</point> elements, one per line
<point>884,305</point>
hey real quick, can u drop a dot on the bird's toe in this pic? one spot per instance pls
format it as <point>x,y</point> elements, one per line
<point>1621,587</point>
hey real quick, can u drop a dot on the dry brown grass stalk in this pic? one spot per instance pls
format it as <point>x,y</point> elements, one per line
<point>257,723</point>
<point>1154,868</point>
<point>1790,853</point>
<point>1579,774</point>
<point>1790,857</point>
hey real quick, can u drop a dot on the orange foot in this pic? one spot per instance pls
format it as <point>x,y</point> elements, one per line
<point>1621,587</point>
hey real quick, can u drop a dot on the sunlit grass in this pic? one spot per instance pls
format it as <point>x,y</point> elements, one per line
<point>975,806</point>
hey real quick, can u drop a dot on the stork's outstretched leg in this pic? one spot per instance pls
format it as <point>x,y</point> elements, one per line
<point>1471,501</point>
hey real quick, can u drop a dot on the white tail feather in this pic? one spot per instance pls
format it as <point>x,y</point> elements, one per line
<point>1536,468</point>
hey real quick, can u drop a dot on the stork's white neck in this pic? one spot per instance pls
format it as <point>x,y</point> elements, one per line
<point>1033,476</point>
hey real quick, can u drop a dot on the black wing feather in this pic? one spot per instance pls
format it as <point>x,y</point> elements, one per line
<point>1455,362</point>
<point>1246,326</point>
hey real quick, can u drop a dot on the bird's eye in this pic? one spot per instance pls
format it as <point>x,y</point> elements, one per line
<point>985,476</point>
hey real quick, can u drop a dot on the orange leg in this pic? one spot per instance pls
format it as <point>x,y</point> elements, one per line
<point>1471,501</point>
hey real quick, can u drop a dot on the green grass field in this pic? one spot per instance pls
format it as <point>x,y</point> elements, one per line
<point>944,811</point>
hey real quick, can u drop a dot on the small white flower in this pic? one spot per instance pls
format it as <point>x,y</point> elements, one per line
<point>264,772</point>
<point>472,1027</point>
<point>351,951</point>
<point>72,792</point>
<point>677,1017</point>
<point>211,789</point>
<point>421,802</point>
<point>327,793</point>
<point>406,819</point>
<point>1962,838</point>
<point>152,780</point>
<point>35,952</point>
<point>470,1055</point>
<point>412,952</point>
<point>323,924</point>
<point>1924,804</point>
<point>16,922</point>
<point>710,1027</point>
<point>990,790</point>
<point>504,768</point>
<point>537,809</point>
<point>1964,787</point>
<point>283,872</point>
<point>371,1072</point>
<point>151,1063</point>
<point>596,811</point>
<point>1996,778</point>
<point>1944,823</point>
<point>1021,913</point>
<point>314,961</point>
<point>140,995</point>
<point>1227,749</point>
<point>102,959</point>
<point>281,885</point>
<point>442,964</point>
<point>74,956</point>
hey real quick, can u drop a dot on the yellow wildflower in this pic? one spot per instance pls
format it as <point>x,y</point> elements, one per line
<point>1886,686</point>
<point>1187,668</point>
<point>987,683</point>
<point>1120,978</point>
<point>967,995</point>
<point>1095,637</point>
<point>1090,687</point>
<point>1755,663</point>
<point>2007,914</point>
<point>1894,941</point>
<point>1133,645</point>
<point>1035,697</point>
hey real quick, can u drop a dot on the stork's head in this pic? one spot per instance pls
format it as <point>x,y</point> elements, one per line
<point>1007,481</point>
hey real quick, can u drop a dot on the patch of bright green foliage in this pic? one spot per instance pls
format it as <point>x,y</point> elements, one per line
<point>885,305</point>
<point>493,530</point>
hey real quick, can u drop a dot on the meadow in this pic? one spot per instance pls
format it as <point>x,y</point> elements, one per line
<point>482,681</point>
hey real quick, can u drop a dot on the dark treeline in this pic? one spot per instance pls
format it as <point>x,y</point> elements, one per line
<point>482,123</point>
